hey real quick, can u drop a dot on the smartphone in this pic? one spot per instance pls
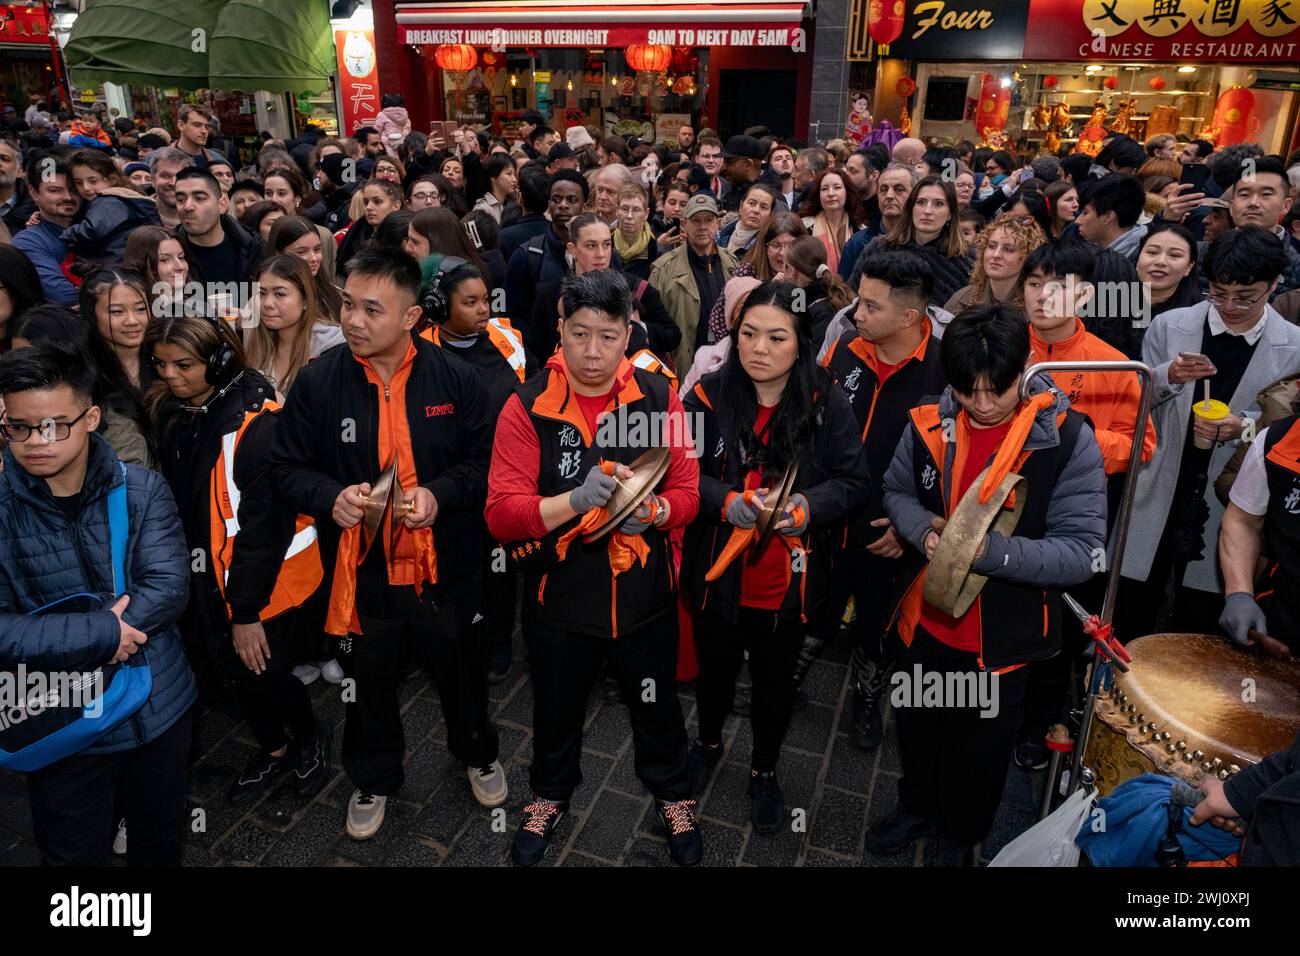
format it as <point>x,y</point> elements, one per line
<point>1195,174</point>
<point>674,223</point>
<point>1195,357</point>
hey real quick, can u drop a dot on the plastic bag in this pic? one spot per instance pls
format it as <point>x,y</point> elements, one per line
<point>1050,842</point>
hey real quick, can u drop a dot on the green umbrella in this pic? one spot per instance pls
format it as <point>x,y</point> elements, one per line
<point>274,45</point>
<point>161,43</point>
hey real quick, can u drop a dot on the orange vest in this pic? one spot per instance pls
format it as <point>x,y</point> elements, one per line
<point>649,362</point>
<point>301,572</point>
<point>501,334</point>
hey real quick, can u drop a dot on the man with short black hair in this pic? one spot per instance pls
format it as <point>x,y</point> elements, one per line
<point>58,203</point>
<point>195,128</point>
<point>1109,209</point>
<point>976,435</point>
<point>1261,197</point>
<point>780,160</point>
<point>708,154</point>
<point>1121,155</point>
<point>217,247</point>
<point>534,185</point>
<point>542,140</point>
<point>417,585</point>
<point>1196,151</point>
<point>59,519</point>
<point>527,123</point>
<point>541,258</point>
<point>553,472</point>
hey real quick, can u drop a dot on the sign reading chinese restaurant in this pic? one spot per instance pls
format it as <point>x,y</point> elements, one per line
<point>23,25</point>
<point>1261,31</point>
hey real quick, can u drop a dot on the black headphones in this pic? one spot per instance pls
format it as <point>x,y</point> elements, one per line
<point>221,361</point>
<point>435,304</point>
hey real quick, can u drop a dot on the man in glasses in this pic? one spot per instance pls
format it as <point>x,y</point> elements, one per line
<point>55,541</point>
<point>1235,343</point>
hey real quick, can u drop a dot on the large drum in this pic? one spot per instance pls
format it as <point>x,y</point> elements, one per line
<point>1192,705</point>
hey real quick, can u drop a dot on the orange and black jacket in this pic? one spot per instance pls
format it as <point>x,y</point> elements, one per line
<point>328,437</point>
<point>881,411</point>
<point>569,584</point>
<point>1281,523</point>
<point>832,476</point>
<point>1056,544</point>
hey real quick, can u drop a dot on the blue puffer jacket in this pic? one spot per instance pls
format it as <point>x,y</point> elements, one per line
<point>44,558</point>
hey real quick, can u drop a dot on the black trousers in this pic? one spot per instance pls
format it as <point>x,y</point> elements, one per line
<point>564,667</point>
<point>275,699</point>
<point>500,595</point>
<point>773,649</point>
<point>453,652</point>
<point>954,760</point>
<point>73,803</point>
<point>870,580</point>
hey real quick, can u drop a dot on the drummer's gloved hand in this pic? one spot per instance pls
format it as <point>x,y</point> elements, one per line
<point>796,512</point>
<point>1240,614</point>
<point>593,492</point>
<point>742,514</point>
<point>651,512</point>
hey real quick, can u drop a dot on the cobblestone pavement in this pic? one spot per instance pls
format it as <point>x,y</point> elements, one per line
<point>434,821</point>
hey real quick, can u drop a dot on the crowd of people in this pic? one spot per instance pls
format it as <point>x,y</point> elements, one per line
<point>374,401</point>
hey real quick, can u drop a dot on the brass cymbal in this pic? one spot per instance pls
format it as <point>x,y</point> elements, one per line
<point>397,510</point>
<point>950,585</point>
<point>647,471</point>
<point>773,505</point>
<point>375,507</point>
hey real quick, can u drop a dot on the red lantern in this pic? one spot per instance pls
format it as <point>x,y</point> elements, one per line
<point>1157,83</point>
<point>683,60</point>
<point>905,87</point>
<point>491,59</point>
<point>648,57</point>
<point>1110,82</point>
<point>994,105</point>
<point>456,57</point>
<point>885,22</point>
<point>1234,117</point>
<point>1050,81</point>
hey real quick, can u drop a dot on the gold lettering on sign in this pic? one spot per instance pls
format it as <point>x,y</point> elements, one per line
<point>932,11</point>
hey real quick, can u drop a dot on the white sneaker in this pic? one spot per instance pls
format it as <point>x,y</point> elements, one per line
<point>365,815</point>
<point>488,784</point>
<point>307,673</point>
<point>119,839</point>
<point>332,671</point>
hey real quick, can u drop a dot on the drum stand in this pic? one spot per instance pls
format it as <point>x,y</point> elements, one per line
<point>1102,668</point>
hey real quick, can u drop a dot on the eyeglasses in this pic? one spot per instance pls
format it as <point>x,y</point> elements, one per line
<point>1221,301</point>
<point>778,245</point>
<point>49,429</point>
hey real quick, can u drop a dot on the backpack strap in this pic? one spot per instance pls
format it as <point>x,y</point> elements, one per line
<point>117,532</point>
<point>536,257</point>
<point>640,289</point>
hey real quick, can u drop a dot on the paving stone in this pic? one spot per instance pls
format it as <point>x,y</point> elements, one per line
<point>810,729</point>
<point>410,851</point>
<point>419,720</point>
<point>609,825</point>
<point>726,800</point>
<point>850,768</point>
<point>308,841</point>
<point>447,812</point>
<point>581,859</point>
<point>248,843</point>
<point>779,849</point>
<point>518,710</point>
<point>825,682</point>
<point>647,852</point>
<point>816,857</point>
<point>839,822</point>
<point>398,815</point>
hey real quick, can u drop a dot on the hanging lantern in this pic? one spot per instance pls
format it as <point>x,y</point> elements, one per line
<point>1050,80</point>
<point>1234,117</point>
<point>491,58</point>
<point>994,105</point>
<point>905,87</point>
<point>885,22</point>
<point>683,60</point>
<point>456,57</point>
<point>649,57</point>
<point>1157,83</point>
<point>1111,82</point>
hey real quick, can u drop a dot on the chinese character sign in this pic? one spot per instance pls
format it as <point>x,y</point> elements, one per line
<point>358,77</point>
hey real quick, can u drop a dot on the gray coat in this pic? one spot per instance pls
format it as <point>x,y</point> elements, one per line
<point>1076,523</point>
<point>1180,330</point>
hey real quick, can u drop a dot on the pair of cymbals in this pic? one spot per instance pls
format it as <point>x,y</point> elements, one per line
<point>950,584</point>
<point>773,507</point>
<point>647,471</point>
<point>383,509</point>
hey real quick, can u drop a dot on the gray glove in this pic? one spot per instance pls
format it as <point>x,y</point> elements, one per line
<point>796,501</point>
<point>741,515</point>
<point>1240,614</point>
<point>593,492</point>
<point>635,523</point>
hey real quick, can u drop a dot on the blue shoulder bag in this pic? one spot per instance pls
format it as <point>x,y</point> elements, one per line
<point>59,720</point>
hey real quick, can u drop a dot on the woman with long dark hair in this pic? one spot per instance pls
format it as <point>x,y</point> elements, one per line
<point>286,187</point>
<point>438,232</point>
<point>20,290</point>
<point>765,259</point>
<point>255,603</point>
<point>292,328</point>
<point>1166,262</point>
<point>158,255</point>
<point>930,227</point>
<point>825,292</point>
<point>298,236</point>
<point>770,406</point>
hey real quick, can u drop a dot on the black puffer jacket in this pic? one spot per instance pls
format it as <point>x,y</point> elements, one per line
<point>1268,795</point>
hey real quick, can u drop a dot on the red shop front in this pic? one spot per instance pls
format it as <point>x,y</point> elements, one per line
<point>625,66</point>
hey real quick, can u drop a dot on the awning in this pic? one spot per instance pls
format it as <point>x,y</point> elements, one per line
<point>143,41</point>
<point>280,46</point>
<point>588,23</point>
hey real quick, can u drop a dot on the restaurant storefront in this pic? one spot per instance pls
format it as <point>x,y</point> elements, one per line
<point>617,65</point>
<point>1049,74</point>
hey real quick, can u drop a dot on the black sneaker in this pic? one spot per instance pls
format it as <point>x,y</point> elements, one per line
<point>499,661</point>
<point>740,704</point>
<point>898,831</point>
<point>685,842</point>
<point>312,768</point>
<point>868,721</point>
<point>534,835</point>
<point>701,761</point>
<point>612,692</point>
<point>766,803</point>
<point>1032,753</point>
<point>262,771</point>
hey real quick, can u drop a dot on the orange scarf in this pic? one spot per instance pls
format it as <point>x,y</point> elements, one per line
<point>742,538</point>
<point>1008,457</point>
<point>623,548</point>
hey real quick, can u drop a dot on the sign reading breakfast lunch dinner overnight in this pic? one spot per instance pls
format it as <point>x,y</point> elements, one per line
<point>499,37</point>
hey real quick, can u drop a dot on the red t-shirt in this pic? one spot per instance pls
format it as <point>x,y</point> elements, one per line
<point>963,633</point>
<point>883,371</point>
<point>763,584</point>
<point>592,406</point>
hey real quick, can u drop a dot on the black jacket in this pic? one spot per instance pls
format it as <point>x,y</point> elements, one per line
<point>1268,795</point>
<point>332,210</point>
<point>660,335</point>
<point>832,476</point>
<point>24,205</point>
<point>327,437</point>
<point>250,249</point>
<point>529,225</point>
<point>950,274</point>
